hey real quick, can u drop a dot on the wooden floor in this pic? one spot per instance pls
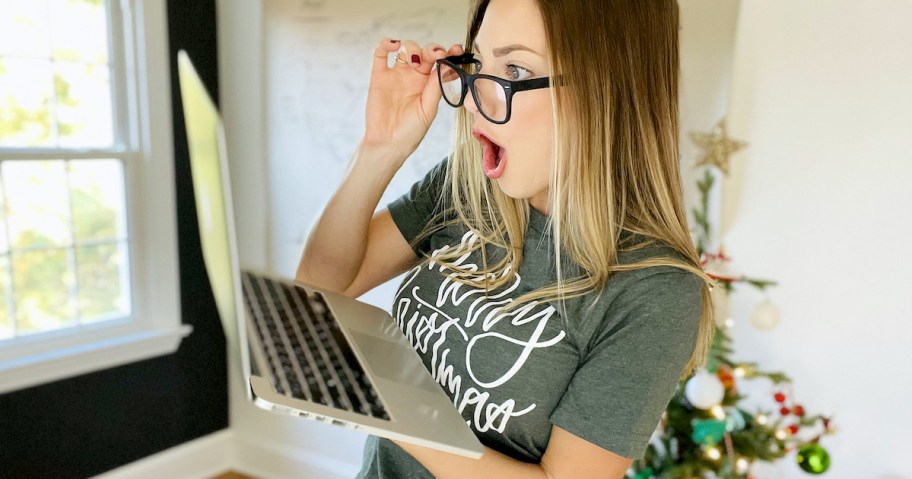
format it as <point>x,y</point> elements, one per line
<point>232,475</point>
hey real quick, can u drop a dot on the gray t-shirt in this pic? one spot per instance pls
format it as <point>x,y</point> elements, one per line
<point>605,375</point>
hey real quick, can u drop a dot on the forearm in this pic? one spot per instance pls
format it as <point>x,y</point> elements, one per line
<point>337,242</point>
<point>491,465</point>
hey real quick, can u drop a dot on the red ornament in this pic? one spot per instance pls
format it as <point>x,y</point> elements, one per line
<point>779,397</point>
<point>726,376</point>
<point>793,429</point>
<point>784,411</point>
<point>798,410</point>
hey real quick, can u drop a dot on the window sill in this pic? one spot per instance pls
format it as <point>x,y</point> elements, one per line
<point>49,366</point>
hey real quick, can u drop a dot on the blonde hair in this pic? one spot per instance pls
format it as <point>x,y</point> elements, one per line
<point>616,156</point>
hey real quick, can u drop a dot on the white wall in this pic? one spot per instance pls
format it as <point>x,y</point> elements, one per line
<point>820,201</point>
<point>820,90</point>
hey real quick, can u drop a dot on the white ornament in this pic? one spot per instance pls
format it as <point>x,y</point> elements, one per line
<point>765,316</point>
<point>704,390</point>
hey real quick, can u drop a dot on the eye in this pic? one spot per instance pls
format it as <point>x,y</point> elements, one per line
<point>518,70</point>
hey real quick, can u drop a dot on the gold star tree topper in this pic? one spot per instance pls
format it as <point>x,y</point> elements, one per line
<point>716,147</point>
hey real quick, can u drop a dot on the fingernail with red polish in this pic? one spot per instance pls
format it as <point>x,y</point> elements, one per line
<point>416,59</point>
<point>394,41</point>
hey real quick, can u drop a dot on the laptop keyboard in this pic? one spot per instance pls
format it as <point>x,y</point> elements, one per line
<point>308,354</point>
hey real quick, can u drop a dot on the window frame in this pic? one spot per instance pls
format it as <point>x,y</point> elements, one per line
<point>140,80</point>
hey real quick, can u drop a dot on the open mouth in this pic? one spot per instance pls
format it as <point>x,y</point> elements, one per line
<point>494,155</point>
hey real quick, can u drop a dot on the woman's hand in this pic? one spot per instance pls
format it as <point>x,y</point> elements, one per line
<point>402,101</point>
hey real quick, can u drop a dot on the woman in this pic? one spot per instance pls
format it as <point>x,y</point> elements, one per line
<point>552,287</point>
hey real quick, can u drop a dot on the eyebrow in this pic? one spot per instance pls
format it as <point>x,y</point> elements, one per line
<point>499,52</point>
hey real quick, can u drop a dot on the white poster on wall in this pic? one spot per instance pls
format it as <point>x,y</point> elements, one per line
<point>318,58</point>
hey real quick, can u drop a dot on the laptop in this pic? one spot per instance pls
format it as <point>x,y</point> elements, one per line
<point>306,351</point>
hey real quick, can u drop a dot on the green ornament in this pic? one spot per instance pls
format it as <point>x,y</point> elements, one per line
<point>644,474</point>
<point>707,431</point>
<point>813,458</point>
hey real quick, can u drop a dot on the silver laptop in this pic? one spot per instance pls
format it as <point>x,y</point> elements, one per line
<point>306,351</point>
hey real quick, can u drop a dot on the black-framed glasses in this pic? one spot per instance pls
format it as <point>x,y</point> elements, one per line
<point>493,95</point>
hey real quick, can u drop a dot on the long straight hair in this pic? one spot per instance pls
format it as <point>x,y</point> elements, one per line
<point>616,157</point>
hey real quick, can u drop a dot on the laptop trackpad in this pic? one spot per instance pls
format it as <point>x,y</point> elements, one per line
<point>393,361</point>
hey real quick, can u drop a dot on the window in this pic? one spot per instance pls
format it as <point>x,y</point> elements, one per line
<point>88,257</point>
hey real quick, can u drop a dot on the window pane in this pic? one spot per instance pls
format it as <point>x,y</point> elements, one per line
<point>26,95</point>
<point>37,203</point>
<point>84,114</point>
<point>102,279</point>
<point>43,283</point>
<point>6,323</point>
<point>24,28</point>
<point>97,195</point>
<point>79,30</point>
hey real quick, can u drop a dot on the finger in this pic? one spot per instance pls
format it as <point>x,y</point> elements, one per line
<point>411,53</point>
<point>432,94</point>
<point>382,51</point>
<point>430,54</point>
<point>456,49</point>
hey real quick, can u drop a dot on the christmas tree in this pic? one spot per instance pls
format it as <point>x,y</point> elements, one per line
<point>703,432</point>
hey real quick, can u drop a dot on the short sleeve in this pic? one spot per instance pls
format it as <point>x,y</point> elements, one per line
<point>414,209</point>
<point>629,374</point>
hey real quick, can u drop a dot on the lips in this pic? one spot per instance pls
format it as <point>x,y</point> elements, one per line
<point>494,155</point>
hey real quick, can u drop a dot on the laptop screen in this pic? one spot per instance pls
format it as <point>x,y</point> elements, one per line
<point>208,163</point>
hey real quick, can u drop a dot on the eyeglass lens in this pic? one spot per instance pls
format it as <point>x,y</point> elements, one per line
<point>492,98</point>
